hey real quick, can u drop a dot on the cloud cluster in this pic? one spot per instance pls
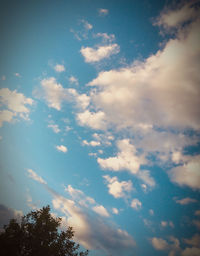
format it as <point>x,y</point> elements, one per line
<point>16,104</point>
<point>88,220</point>
<point>156,100</point>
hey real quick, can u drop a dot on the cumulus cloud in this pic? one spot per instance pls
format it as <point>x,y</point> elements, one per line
<point>101,210</point>
<point>98,53</point>
<point>16,105</point>
<point>62,148</point>
<point>136,204</point>
<point>59,68</point>
<point>94,120</point>
<point>143,92</point>
<point>116,188</point>
<point>126,159</point>
<point>186,200</point>
<point>55,94</point>
<point>187,174</point>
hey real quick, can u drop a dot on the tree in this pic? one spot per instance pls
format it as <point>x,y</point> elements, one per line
<point>38,234</point>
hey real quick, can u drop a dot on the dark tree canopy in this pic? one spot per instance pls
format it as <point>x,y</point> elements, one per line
<point>38,234</point>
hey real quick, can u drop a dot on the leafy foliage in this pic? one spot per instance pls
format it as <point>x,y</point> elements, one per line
<point>38,235</point>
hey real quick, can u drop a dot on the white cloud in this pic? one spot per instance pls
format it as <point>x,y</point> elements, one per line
<point>101,210</point>
<point>136,204</point>
<point>186,200</point>
<point>61,148</point>
<point>159,243</point>
<point>15,101</point>
<point>86,24</point>
<point>83,32</point>
<point>103,12</point>
<point>98,53</point>
<point>144,175</point>
<point>187,174</point>
<point>116,188</point>
<point>16,104</point>
<point>94,120</point>
<point>6,116</point>
<point>115,210</point>
<point>54,127</point>
<point>33,175</point>
<point>162,91</point>
<point>59,68</point>
<point>126,159</point>
<point>73,80</point>
<point>106,37</point>
<point>55,94</point>
<point>171,18</point>
<point>92,143</point>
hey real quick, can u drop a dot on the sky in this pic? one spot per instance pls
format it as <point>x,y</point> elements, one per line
<point>100,119</point>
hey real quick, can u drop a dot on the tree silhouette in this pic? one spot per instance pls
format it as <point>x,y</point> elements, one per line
<point>38,234</point>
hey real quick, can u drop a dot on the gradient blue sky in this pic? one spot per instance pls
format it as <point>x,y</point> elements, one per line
<point>100,119</point>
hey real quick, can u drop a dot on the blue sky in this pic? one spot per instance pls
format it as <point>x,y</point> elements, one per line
<point>100,119</point>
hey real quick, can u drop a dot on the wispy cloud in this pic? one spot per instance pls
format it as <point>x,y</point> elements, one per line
<point>33,175</point>
<point>186,200</point>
